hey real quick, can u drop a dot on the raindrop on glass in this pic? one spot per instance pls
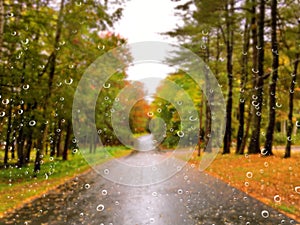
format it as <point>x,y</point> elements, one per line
<point>265,214</point>
<point>180,133</point>
<point>106,171</point>
<point>277,198</point>
<point>25,86</point>
<point>106,85</point>
<point>191,118</point>
<point>150,114</point>
<point>32,123</point>
<point>5,101</point>
<point>249,174</point>
<point>69,81</point>
<point>100,208</point>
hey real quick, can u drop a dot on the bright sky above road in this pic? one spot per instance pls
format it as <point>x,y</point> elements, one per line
<point>145,20</point>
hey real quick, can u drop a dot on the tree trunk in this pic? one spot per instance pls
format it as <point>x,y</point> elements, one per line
<point>58,139</point>
<point>8,132</point>
<point>200,125</point>
<point>28,148</point>
<point>20,148</point>
<point>2,21</point>
<point>272,90</point>
<point>287,153</point>
<point>229,47</point>
<point>67,141</point>
<point>39,150</point>
<point>244,78</point>
<point>254,146</point>
<point>254,69</point>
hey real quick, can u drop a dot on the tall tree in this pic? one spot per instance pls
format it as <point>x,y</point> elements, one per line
<point>229,17</point>
<point>243,82</point>
<point>272,90</point>
<point>254,145</point>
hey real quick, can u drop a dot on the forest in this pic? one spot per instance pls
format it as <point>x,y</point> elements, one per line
<point>251,47</point>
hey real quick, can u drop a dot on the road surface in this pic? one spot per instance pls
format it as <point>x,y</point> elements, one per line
<point>189,197</point>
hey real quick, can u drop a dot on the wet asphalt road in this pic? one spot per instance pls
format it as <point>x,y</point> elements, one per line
<point>189,197</point>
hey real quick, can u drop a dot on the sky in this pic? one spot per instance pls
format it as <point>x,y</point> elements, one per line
<point>144,20</point>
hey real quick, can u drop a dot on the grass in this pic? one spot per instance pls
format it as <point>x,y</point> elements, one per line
<point>271,180</point>
<point>18,186</point>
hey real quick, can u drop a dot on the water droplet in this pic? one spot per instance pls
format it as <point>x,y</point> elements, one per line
<point>255,103</point>
<point>5,101</point>
<point>25,42</point>
<point>249,174</point>
<point>297,124</point>
<point>159,110</point>
<point>2,114</point>
<point>75,150</point>
<point>258,113</point>
<point>289,138</point>
<point>87,186</point>
<point>246,184</point>
<point>179,102</point>
<point>32,123</point>
<point>100,208</point>
<point>152,220</point>
<point>26,86</point>
<point>154,194</point>
<point>263,151</point>
<point>10,15</point>
<point>106,171</point>
<point>191,118</point>
<point>101,47</point>
<point>106,85</point>
<point>150,114</point>
<point>278,105</point>
<point>69,81</point>
<point>277,198</point>
<point>265,214</point>
<point>255,71</point>
<point>14,33</point>
<point>104,192</point>
<point>62,99</point>
<point>297,189</point>
<point>180,133</point>
<point>266,164</point>
<point>258,47</point>
<point>180,191</point>
<point>204,32</point>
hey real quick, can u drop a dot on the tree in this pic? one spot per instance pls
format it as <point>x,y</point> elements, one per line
<point>254,145</point>
<point>272,89</point>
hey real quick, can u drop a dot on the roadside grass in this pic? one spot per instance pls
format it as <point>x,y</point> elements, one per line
<point>272,180</point>
<point>19,186</point>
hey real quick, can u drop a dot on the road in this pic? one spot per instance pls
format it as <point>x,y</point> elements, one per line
<point>189,197</point>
